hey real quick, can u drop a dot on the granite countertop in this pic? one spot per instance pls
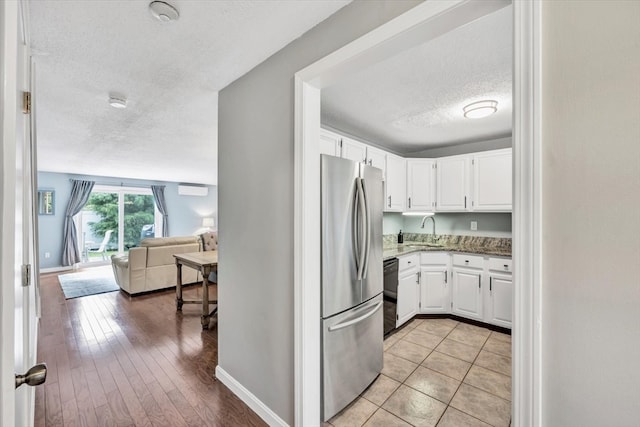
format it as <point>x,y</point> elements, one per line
<point>445,243</point>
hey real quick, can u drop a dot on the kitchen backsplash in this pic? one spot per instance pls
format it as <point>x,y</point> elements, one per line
<point>391,240</point>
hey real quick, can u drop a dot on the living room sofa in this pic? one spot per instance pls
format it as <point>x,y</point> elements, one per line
<point>151,265</point>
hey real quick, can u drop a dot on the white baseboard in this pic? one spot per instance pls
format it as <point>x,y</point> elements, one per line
<point>250,399</point>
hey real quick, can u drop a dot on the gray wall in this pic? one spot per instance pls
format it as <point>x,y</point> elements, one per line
<point>256,206</point>
<point>489,224</point>
<point>591,213</point>
<point>466,148</point>
<point>185,212</point>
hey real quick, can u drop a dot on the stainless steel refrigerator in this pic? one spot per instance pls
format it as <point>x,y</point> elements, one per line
<point>352,315</point>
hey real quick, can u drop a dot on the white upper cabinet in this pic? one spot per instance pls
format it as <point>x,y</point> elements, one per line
<point>354,150</point>
<point>377,158</point>
<point>492,178</point>
<point>452,177</point>
<point>396,184</point>
<point>329,143</point>
<point>421,186</point>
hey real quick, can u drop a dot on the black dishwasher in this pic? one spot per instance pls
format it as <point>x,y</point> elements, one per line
<point>390,268</point>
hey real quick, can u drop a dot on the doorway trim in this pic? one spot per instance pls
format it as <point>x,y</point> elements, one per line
<point>425,21</point>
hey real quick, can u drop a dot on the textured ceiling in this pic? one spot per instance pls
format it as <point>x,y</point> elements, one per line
<point>170,74</point>
<point>413,100</point>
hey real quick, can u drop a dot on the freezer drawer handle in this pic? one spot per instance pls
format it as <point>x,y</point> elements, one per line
<point>356,320</point>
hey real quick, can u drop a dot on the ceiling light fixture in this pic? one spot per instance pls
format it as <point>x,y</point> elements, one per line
<point>415,213</point>
<point>163,12</point>
<point>117,102</point>
<point>477,110</point>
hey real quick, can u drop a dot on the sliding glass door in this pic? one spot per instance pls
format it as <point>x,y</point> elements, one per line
<point>116,219</point>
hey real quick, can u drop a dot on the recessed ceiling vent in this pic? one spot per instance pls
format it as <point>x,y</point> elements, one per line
<point>163,11</point>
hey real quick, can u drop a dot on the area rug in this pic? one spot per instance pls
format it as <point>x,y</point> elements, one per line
<point>90,282</point>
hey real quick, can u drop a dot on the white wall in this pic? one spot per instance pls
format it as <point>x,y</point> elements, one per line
<point>591,213</point>
<point>256,207</point>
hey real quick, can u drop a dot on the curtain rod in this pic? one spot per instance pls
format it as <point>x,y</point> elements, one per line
<point>115,184</point>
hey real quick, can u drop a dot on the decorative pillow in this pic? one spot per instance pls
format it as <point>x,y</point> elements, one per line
<point>209,241</point>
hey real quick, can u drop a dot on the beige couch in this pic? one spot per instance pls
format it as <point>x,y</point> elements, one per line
<point>152,266</point>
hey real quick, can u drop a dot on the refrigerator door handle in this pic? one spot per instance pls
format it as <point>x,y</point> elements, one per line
<point>361,218</point>
<point>367,234</point>
<point>354,230</point>
<point>356,320</point>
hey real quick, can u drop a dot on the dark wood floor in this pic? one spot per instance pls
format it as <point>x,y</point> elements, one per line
<point>119,361</point>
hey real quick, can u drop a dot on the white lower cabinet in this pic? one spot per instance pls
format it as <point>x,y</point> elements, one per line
<point>469,286</point>
<point>467,272</point>
<point>435,292</point>
<point>467,293</point>
<point>408,288</point>
<point>499,298</point>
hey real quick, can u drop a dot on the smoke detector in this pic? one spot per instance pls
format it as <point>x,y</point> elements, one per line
<point>163,12</point>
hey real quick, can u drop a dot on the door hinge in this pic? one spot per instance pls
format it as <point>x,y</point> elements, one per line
<point>26,102</point>
<point>419,305</point>
<point>473,161</point>
<point>26,275</point>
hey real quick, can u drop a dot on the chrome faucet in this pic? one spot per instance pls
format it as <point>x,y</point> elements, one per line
<point>426,217</point>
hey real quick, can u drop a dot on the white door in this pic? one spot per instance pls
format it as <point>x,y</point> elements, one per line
<point>396,184</point>
<point>434,290</point>
<point>18,323</point>
<point>500,309</point>
<point>492,179</point>
<point>453,184</point>
<point>420,185</point>
<point>407,296</point>
<point>467,293</point>
<point>329,143</point>
<point>378,159</point>
<point>354,150</point>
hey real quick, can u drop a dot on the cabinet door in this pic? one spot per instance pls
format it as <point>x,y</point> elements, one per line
<point>492,180</point>
<point>420,185</point>
<point>329,143</point>
<point>500,305</point>
<point>434,290</point>
<point>378,159</point>
<point>453,184</point>
<point>407,296</point>
<point>396,184</point>
<point>354,150</point>
<point>467,293</point>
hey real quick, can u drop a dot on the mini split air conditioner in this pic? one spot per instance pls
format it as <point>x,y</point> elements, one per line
<point>192,190</point>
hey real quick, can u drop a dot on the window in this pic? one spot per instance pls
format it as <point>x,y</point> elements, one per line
<point>130,213</point>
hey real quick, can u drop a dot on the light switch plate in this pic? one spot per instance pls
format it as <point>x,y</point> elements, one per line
<point>474,225</point>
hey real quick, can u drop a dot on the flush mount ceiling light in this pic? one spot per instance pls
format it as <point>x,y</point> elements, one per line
<point>117,102</point>
<point>477,110</point>
<point>163,11</point>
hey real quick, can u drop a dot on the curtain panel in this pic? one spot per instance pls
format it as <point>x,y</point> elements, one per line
<point>80,192</point>
<point>161,203</point>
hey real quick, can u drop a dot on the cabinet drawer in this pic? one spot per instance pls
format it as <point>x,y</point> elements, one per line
<point>501,264</point>
<point>431,258</point>
<point>407,262</point>
<point>472,261</point>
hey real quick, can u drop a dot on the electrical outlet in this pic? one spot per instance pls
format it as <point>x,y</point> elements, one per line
<point>474,225</point>
<point>47,254</point>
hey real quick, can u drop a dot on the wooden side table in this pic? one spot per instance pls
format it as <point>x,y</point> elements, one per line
<point>204,262</point>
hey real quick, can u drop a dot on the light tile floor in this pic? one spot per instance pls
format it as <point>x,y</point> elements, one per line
<point>437,372</point>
